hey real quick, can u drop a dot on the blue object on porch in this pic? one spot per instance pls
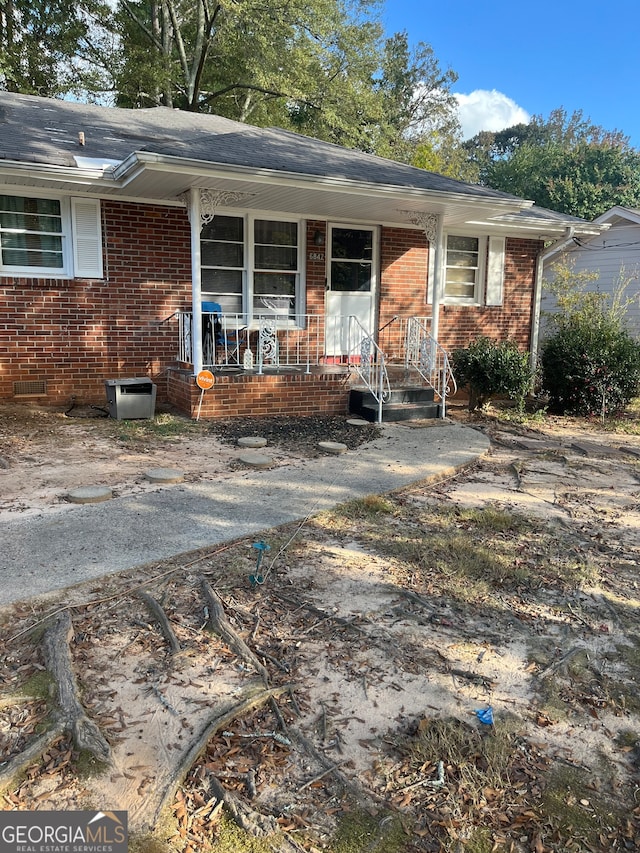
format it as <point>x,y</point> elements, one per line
<point>214,332</point>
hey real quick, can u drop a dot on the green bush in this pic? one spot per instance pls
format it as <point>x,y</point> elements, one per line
<point>492,369</point>
<point>590,364</point>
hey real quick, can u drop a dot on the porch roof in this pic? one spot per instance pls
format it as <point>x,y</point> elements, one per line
<point>157,154</point>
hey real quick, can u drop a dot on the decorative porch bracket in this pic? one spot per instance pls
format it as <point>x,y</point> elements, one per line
<point>210,201</point>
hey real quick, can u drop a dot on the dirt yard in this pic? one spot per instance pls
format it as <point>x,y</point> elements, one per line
<point>449,668</point>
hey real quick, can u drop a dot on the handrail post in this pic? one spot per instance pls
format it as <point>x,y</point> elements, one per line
<point>380,386</point>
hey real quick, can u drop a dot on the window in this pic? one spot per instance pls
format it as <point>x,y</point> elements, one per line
<point>222,258</point>
<point>351,259</point>
<point>252,267</point>
<point>52,237</point>
<point>31,232</point>
<point>464,267</point>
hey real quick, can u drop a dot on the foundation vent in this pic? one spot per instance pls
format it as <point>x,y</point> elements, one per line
<point>33,388</point>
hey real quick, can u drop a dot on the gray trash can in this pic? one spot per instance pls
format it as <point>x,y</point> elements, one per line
<point>131,398</point>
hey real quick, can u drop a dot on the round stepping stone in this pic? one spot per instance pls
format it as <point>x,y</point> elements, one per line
<point>256,460</point>
<point>252,441</point>
<point>164,475</point>
<point>357,422</point>
<point>90,495</point>
<point>333,447</point>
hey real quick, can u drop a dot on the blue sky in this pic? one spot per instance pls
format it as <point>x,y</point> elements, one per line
<point>516,59</point>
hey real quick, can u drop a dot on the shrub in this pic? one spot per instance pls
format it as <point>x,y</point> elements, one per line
<point>590,364</point>
<point>492,369</point>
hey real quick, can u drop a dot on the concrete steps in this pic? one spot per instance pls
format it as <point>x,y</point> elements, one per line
<point>404,404</point>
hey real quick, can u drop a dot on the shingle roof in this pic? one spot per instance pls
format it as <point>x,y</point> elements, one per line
<point>46,131</point>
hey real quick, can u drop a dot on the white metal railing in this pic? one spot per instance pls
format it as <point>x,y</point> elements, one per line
<point>425,355</point>
<point>392,337</point>
<point>268,343</point>
<point>302,341</point>
<point>368,361</point>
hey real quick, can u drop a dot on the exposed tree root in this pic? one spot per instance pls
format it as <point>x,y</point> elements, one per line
<point>247,818</point>
<point>252,698</point>
<point>29,754</point>
<point>165,626</point>
<point>71,715</point>
<point>219,624</point>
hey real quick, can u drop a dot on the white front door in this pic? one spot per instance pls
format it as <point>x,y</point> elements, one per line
<point>351,287</point>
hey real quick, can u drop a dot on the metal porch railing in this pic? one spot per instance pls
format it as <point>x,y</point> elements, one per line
<point>269,343</point>
<point>430,360</point>
<point>298,342</point>
<point>367,360</point>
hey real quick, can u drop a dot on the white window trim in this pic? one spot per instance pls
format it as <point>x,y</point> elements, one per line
<point>71,257</point>
<point>249,267</point>
<point>477,299</point>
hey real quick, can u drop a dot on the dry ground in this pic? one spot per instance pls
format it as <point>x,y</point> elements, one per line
<point>352,719</point>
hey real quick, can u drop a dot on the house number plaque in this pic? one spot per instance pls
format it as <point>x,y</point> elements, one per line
<point>316,256</point>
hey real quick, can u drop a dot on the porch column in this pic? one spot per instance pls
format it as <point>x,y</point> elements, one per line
<point>434,230</point>
<point>195,219</point>
<point>201,207</point>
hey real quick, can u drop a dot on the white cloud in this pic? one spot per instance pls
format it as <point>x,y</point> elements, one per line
<point>488,110</point>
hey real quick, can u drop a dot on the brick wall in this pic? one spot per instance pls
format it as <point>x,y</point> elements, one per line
<point>460,324</point>
<point>74,334</point>
<point>248,395</point>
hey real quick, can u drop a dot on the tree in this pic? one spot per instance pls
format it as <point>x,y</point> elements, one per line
<point>229,57</point>
<point>416,103</point>
<point>54,47</point>
<point>320,68</point>
<point>565,163</point>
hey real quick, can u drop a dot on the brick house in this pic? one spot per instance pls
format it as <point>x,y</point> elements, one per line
<point>158,243</point>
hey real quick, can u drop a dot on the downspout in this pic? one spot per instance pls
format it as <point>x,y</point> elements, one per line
<point>537,296</point>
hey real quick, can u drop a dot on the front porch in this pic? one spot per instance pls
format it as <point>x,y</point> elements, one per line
<point>297,366</point>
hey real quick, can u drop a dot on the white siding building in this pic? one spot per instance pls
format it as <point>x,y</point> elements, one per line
<point>614,255</point>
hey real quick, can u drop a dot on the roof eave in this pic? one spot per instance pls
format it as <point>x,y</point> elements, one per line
<point>137,162</point>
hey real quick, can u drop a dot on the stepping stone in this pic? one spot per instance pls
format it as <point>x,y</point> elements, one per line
<point>536,444</point>
<point>252,441</point>
<point>256,460</point>
<point>333,447</point>
<point>90,495</point>
<point>357,422</point>
<point>164,475</point>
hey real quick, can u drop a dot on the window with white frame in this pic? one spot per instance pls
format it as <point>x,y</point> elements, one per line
<point>31,233</point>
<point>252,266</point>
<point>50,236</point>
<point>464,268</point>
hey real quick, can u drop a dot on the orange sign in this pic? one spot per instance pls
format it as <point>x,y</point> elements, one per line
<point>205,380</point>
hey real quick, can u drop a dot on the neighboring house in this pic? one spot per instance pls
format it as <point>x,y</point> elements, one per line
<point>122,231</point>
<point>614,255</point>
